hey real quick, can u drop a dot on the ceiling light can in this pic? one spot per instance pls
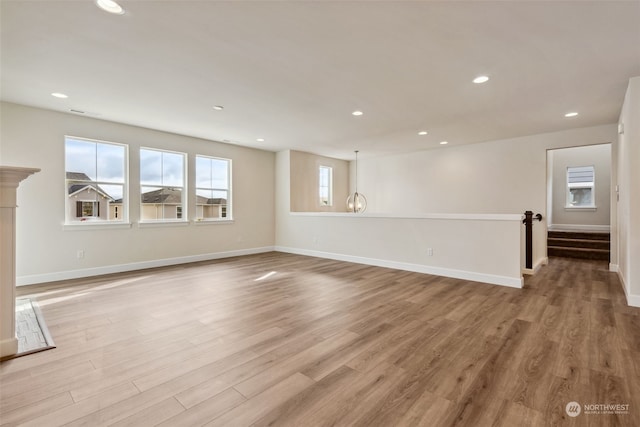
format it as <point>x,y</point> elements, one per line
<point>481,79</point>
<point>110,6</point>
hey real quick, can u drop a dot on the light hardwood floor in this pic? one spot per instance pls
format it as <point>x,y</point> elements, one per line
<point>279,339</point>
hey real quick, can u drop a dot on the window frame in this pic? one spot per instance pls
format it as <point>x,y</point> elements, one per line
<point>228,208</point>
<point>569,186</point>
<point>183,194</point>
<point>329,186</point>
<point>95,220</point>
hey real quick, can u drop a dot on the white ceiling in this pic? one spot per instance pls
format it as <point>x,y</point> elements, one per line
<point>292,72</point>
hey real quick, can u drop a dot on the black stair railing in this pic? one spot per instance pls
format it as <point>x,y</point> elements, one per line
<point>528,227</point>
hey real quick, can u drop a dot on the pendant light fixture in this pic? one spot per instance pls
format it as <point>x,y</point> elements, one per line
<point>356,202</point>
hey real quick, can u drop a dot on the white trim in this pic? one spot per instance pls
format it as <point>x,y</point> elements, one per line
<point>613,268</point>
<point>481,217</point>
<point>95,225</point>
<point>512,282</point>
<point>632,299</point>
<point>110,269</point>
<point>8,347</point>
<point>536,268</point>
<point>163,223</point>
<point>579,227</point>
<point>212,221</point>
<point>581,208</point>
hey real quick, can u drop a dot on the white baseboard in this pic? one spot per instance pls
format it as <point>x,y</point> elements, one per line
<point>579,227</point>
<point>534,270</point>
<point>513,282</point>
<point>632,300</point>
<point>8,347</point>
<point>613,268</point>
<point>120,268</point>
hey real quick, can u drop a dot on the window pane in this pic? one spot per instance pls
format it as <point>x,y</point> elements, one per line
<point>150,167</point>
<point>220,173</point>
<point>580,197</point>
<point>80,158</point>
<point>324,185</point>
<point>172,169</point>
<point>110,163</point>
<point>160,203</point>
<point>211,204</point>
<point>203,172</point>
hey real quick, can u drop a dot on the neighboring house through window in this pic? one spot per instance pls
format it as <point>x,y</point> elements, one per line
<point>213,188</point>
<point>162,178</point>
<point>95,179</point>
<point>325,185</point>
<point>580,187</point>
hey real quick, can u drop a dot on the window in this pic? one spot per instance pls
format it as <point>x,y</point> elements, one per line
<point>213,188</point>
<point>88,209</point>
<point>161,185</point>
<point>325,186</point>
<point>95,177</point>
<point>580,187</point>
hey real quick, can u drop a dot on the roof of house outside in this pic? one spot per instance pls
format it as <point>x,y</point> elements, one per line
<point>173,196</point>
<point>81,176</point>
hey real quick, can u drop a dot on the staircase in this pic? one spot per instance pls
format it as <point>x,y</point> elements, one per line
<point>579,244</point>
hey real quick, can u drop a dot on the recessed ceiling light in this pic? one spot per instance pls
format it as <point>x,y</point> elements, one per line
<point>357,113</point>
<point>260,139</point>
<point>444,142</point>
<point>59,95</point>
<point>422,132</point>
<point>218,107</point>
<point>110,6</point>
<point>572,114</point>
<point>481,79</point>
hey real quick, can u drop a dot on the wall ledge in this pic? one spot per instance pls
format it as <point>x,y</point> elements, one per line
<point>455,216</point>
<point>512,282</point>
<point>121,268</point>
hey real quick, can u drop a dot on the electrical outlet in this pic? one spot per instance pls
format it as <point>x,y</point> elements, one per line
<point>430,251</point>
<point>80,254</point>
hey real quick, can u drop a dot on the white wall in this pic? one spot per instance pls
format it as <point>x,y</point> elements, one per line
<point>628,180</point>
<point>402,242</point>
<point>504,177</point>
<point>46,251</point>
<point>598,156</point>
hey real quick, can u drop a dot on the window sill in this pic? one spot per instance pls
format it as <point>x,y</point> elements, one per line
<point>213,221</point>
<point>581,208</point>
<point>97,225</point>
<point>161,223</point>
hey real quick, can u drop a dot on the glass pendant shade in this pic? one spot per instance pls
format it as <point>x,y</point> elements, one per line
<point>356,202</point>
